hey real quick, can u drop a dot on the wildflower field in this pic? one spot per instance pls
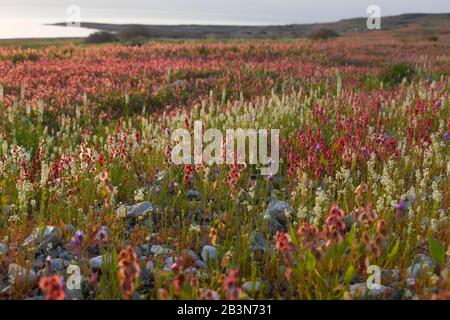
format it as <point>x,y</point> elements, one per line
<point>91,206</point>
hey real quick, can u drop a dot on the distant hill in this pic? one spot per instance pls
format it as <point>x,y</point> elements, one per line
<point>430,22</point>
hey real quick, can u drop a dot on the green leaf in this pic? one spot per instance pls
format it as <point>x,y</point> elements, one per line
<point>310,262</point>
<point>437,250</point>
<point>349,274</point>
<point>336,251</point>
<point>394,250</point>
<point>331,254</point>
<point>350,236</point>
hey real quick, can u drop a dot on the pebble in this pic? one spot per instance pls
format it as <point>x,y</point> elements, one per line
<point>20,275</point>
<point>145,247</point>
<point>156,250</point>
<point>411,282</point>
<point>360,290</point>
<point>3,248</point>
<point>201,264</point>
<point>258,243</point>
<point>421,265</point>
<point>208,253</point>
<point>57,265</point>
<point>8,209</point>
<point>136,296</point>
<point>193,195</point>
<point>278,214</point>
<point>70,228</point>
<point>40,238</point>
<point>422,258</point>
<point>169,262</point>
<point>389,277</point>
<point>209,294</point>
<point>74,294</point>
<point>135,211</point>
<point>192,271</point>
<point>349,221</point>
<point>5,290</point>
<point>150,266</point>
<point>161,176</point>
<point>138,251</point>
<point>419,269</point>
<point>252,287</point>
<point>39,263</point>
<point>96,263</point>
<point>35,298</point>
<point>187,253</point>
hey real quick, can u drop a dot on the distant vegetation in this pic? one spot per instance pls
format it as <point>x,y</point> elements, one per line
<point>102,37</point>
<point>323,34</point>
<point>396,73</point>
<point>426,23</point>
<point>135,32</point>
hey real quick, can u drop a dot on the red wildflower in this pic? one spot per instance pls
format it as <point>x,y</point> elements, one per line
<point>128,271</point>
<point>53,287</point>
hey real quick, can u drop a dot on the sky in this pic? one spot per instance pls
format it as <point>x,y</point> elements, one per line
<point>207,11</point>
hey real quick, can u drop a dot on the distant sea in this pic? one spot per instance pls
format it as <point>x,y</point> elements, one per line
<point>32,22</point>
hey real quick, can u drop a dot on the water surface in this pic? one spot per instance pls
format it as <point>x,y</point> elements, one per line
<point>32,22</point>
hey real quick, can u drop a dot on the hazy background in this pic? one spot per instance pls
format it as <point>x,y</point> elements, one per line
<point>25,18</point>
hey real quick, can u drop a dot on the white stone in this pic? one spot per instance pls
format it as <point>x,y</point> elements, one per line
<point>20,275</point>
<point>156,249</point>
<point>250,287</point>
<point>208,253</point>
<point>96,262</point>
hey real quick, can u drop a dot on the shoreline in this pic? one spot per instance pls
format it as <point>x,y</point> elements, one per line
<point>427,21</point>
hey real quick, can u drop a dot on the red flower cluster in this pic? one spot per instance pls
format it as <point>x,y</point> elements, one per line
<point>233,176</point>
<point>335,227</point>
<point>53,287</point>
<point>231,285</point>
<point>317,241</point>
<point>128,271</point>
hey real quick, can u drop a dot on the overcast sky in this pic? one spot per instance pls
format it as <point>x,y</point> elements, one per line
<point>288,11</point>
